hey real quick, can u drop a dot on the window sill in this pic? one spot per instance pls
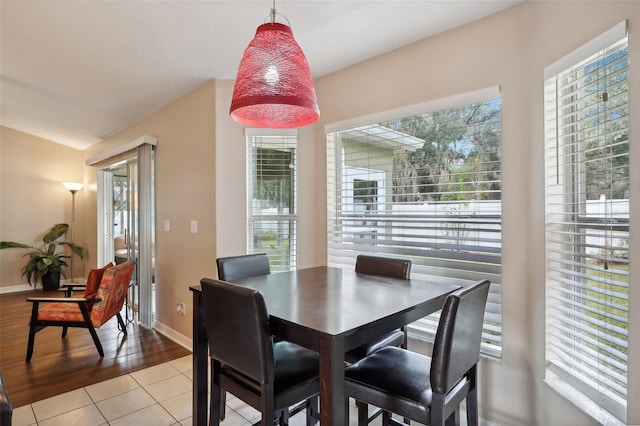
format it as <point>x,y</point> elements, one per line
<point>585,404</point>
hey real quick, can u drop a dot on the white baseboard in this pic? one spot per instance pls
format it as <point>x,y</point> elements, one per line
<point>172,334</point>
<point>27,287</point>
<point>15,288</point>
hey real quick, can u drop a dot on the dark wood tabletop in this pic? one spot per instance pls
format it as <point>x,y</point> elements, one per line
<point>329,310</point>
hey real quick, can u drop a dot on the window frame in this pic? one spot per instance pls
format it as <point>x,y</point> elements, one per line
<point>582,369</point>
<point>273,139</point>
<point>423,329</point>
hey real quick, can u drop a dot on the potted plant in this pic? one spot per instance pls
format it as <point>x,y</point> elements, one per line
<point>46,263</point>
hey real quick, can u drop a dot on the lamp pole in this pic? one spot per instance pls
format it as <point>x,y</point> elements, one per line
<point>73,187</point>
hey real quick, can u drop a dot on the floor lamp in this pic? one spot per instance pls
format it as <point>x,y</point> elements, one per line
<point>73,187</point>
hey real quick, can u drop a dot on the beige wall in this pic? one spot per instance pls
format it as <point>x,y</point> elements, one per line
<point>510,49</point>
<point>33,199</point>
<point>185,190</point>
<point>230,172</point>
<point>200,174</point>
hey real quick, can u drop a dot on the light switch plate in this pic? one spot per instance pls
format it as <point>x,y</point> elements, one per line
<point>194,226</point>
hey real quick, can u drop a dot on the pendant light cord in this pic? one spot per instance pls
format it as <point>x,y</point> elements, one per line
<point>273,13</point>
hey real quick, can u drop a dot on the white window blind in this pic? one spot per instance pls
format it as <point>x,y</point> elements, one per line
<point>587,226</point>
<point>272,199</point>
<point>425,187</point>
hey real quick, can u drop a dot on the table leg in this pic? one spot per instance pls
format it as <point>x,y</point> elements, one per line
<point>332,406</point>
<point>200,365</point>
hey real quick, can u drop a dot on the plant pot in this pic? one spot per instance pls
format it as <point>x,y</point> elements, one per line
<point>51,281</point>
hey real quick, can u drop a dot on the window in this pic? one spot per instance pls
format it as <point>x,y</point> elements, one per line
<point>272,198</point>
<point>425,186</point>
<point>587,226</point>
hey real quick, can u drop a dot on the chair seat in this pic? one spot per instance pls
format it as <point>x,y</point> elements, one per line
<point>394,338</point>
<point>55,311</point>
<point>406,376</point>
<point>294,365</point>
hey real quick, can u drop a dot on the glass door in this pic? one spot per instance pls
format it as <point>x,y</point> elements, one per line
<point>126,229</point>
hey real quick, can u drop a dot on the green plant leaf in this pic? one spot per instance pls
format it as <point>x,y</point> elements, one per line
<point>45,260</point>
<point>56,232</point>
<point>76,249</point>
<point>11,244</point>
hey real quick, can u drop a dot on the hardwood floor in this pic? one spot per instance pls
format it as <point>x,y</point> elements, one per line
<point>60,365</point>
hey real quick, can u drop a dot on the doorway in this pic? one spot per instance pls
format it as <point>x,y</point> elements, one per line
<point>126,226</point>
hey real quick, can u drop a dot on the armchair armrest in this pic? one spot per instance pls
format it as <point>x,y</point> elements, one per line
<point>69,288</point>
<point>63,299</point>
<point>73,286</point>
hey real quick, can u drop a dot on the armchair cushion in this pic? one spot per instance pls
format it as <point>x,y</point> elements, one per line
<point>93,281</point>
<point>67,310</point>
<point>112,299</point>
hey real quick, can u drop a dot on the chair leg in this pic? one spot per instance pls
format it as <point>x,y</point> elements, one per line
<point>312,411</point>
<point>386,418</point>
<point>363,413</point>
<point>406,337</point>
<point>283,417</point>
<point>32,330</point>
<point>346,409</point>
<point>472,398</point>
<point>32,338</point>
<point>223,404</point>
<point>453,419</point>
<point>216,397</point>
<point>437,410</point>
<point>121,325</point>
<point>64,332</point>
<point>96,340</point>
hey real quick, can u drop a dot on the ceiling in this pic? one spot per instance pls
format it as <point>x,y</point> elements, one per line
<point>75,72</point>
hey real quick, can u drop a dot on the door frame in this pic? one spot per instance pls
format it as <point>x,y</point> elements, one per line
<point>144,155</point>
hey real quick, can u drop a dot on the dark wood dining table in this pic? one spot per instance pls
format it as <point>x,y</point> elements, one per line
<point>329,310</point>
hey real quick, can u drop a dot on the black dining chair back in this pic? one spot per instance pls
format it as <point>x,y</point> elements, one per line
<point>236,267</point>
<point>428,390</point>
<point>383,266</point>
<point>456,348</point>
<point>246,362</point>
<point>239,315</point>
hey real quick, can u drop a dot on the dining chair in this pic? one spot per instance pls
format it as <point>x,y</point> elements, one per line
<point>428,390</point>
<point>235,267</point>
<point>383,267</point>
<point>248,265</point>
<point>269,376</point>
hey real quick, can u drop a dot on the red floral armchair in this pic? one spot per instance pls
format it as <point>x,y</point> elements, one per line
<point>95,308</point>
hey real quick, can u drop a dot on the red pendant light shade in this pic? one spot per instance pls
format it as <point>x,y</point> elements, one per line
<point>274,87</point>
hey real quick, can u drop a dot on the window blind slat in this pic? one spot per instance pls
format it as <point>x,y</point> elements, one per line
<point>425,187</point>
<point>587,225</point>
<point>272,198</point>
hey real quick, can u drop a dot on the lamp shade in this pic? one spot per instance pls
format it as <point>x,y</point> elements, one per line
<point>274,88</point>
<point>73,186</point>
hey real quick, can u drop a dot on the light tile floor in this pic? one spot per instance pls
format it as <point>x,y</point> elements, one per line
<point>159,395</point>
